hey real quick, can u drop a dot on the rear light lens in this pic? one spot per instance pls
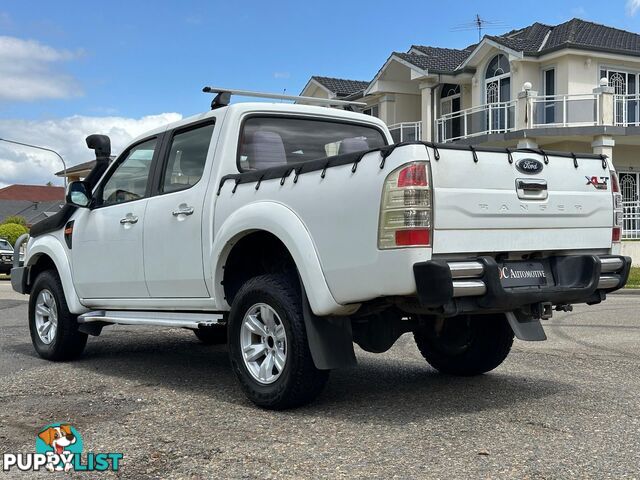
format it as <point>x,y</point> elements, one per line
<point>405,213</point>
<point>616,232</point>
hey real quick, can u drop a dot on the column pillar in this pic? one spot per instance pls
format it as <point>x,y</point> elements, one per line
<point>426,112</point>
<point>603,145</point>
<point>606,114</point>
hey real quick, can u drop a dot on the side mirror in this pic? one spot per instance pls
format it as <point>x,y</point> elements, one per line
<point>78,194</point>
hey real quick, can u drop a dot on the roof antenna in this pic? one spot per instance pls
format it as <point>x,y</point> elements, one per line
<point>480,24</point>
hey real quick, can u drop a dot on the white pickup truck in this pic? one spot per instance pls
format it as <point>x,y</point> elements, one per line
<point>293,231</point>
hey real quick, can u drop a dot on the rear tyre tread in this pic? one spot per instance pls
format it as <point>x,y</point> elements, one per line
<point>301,382</point>
<point>490,346</point>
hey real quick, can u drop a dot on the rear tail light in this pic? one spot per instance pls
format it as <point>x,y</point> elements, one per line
<point>616,232</point>
<point>405,212</point>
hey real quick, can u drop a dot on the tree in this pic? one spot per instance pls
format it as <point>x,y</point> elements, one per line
<point>18,220</point>
<point>12,231</point>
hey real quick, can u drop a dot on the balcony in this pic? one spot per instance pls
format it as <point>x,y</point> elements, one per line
<point>406,131</point>
<point>565,110</point>
<point>485,119</point>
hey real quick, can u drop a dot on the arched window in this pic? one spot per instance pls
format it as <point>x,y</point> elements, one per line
<point>497,90</point>
<point>499,65</point>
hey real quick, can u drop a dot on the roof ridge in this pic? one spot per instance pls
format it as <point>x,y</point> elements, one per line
<point>338,78</point>
<point>577,19</point>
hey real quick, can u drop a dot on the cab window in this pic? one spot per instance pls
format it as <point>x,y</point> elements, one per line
<point>187,158</point>
<point>129,180</point>
<point>274,141</point>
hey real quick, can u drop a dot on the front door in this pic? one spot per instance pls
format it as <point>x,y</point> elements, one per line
<point>107,256</point>
<point>173,223</point>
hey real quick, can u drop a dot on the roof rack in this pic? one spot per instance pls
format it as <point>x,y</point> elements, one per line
<point>223,98</point>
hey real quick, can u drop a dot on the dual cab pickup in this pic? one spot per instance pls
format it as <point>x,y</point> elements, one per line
<point>291,232</point>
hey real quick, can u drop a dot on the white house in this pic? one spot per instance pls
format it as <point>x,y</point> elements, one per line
<point>570,87</point>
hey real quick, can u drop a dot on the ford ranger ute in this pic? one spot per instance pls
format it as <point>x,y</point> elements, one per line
<point>292,231</point>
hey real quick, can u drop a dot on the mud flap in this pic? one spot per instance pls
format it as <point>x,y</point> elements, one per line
<point>330,339</point>
<point>526,328</point>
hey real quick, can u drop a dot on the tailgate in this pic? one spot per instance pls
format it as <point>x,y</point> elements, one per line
<point>494,205</point>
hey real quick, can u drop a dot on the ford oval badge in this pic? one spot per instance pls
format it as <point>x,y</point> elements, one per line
<point>529,165</point>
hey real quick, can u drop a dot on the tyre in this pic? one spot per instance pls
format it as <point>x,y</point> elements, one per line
<point>268,344</point>
<point>214,335</point>
<point>466,345</point>
<point>54,330</point>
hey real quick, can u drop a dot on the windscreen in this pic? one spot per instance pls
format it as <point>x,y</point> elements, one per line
<point>275,141</point>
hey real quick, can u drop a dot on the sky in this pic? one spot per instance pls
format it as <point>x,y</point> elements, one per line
<point>72,68</point>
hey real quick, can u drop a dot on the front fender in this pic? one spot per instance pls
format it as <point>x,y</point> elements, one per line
<point>282,222</point>
<point>50,246</point>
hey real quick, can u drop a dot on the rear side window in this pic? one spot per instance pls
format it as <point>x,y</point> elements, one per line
<point>274,141</point>
<point>187,158</point>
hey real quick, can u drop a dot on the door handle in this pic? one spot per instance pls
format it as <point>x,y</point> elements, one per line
<point>129,220</point>
<point>183,210</point>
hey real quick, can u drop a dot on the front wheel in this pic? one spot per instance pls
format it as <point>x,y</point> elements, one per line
<point>54,329</point>
<point>466,345</point>
<point>268,344</point>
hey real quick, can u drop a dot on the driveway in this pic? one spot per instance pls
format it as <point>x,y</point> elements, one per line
<point>565,408</point>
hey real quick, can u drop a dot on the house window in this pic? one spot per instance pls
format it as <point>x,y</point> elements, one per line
<point>450,99</point>
<point>630,188</point>
<point>625,87</point>
<point>549,86</point>
<point>497,89</point>
<point>373,110</point>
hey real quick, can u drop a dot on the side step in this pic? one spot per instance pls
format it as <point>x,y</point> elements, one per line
<point>158,319</point>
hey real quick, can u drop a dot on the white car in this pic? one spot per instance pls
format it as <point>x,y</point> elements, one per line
<point>293,231</point>
<point>6,256</point>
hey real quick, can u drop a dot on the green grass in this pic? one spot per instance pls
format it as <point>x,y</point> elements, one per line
<point>634,278</point>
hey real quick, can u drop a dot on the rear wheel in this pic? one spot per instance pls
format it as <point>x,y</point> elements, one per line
<point>268,344</point>
<point>466,345</point>
<point>54,329</point>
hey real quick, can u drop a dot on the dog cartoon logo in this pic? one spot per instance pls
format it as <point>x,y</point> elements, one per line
<point>60,442</point>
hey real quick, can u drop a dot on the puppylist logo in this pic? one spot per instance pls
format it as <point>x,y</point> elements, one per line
<point>59,449</point>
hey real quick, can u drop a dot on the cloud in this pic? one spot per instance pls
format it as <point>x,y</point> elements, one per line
<point>281,74</point>
<point>26,72</point>
<point>66,136</point>
<point>632,7</point>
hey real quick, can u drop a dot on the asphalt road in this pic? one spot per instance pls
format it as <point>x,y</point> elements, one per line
<point>565,408</point>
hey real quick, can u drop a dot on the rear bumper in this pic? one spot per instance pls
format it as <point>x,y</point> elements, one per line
<point>471,286</point>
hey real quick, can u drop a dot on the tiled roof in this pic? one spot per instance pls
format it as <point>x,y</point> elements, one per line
<point>580,33</point>
<point>32,212</point>
<point>341,87</point>
<point>32,193</point>
<point>573,33</point>
<point>436,58</point>
<point>536,39</point>
<point>528,39</point>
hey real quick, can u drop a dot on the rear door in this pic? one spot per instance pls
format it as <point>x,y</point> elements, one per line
<point>173,222</point>
<point>528,205</point>
<point>107,257</point>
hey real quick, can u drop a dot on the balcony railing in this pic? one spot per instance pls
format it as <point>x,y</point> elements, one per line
<point>631,220</point>
<point>626,110</point>
<point>406,131</point>
<point>565,110</point>
<point>496,117</point>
